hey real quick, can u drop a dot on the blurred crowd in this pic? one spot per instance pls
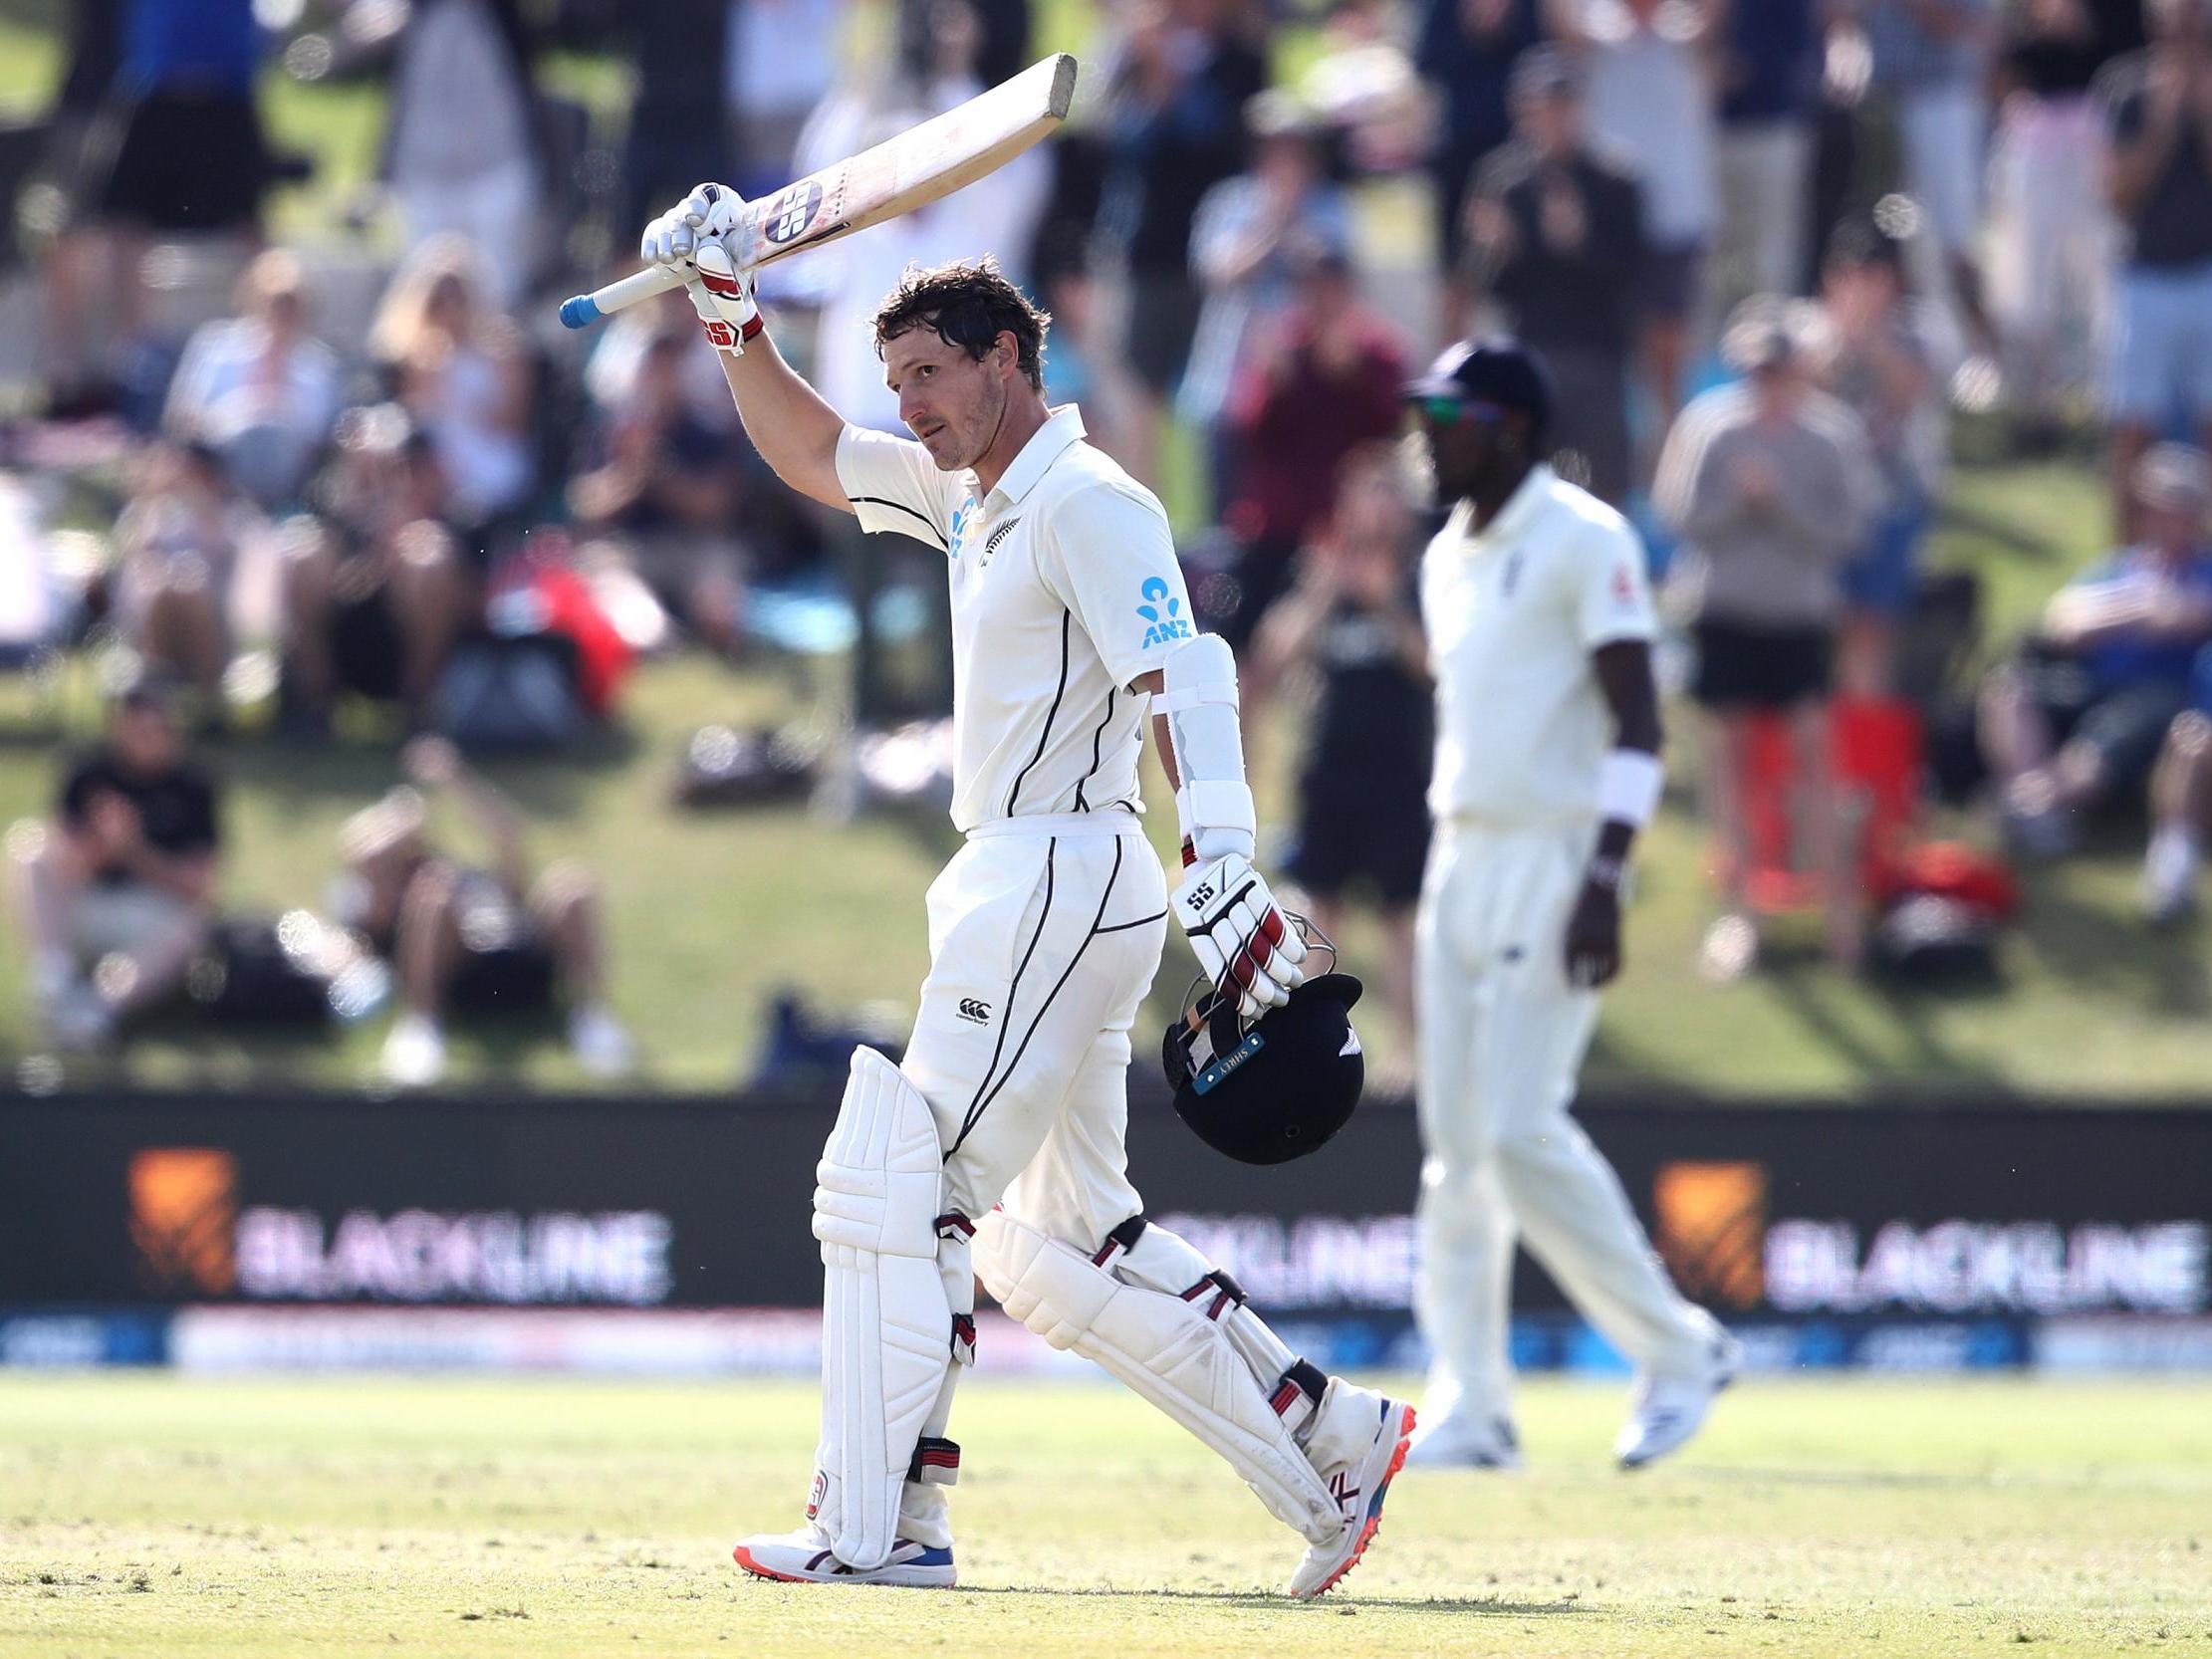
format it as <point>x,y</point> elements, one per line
<point>1772,253</point>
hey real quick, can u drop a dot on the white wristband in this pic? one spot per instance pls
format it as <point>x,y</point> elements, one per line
<point>1217,818</point>
<point>1629,787</point>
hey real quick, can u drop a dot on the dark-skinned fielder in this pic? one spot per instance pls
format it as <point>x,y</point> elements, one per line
<point>1538,617</point>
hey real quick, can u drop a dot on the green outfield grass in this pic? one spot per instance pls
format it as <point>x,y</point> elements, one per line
<point>150,1516</point>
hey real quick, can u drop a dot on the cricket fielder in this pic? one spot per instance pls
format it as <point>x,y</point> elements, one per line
<point>996,1148</point>
<point>1538,619</point>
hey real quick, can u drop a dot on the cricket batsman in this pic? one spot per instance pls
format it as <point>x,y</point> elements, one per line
<point>997,1147</point>
<point>1540,625</point>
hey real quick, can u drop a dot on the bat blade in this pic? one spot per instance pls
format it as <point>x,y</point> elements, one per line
<point>921,166</point>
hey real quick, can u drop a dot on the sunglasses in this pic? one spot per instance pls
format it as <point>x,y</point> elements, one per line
<point>1450,412</point>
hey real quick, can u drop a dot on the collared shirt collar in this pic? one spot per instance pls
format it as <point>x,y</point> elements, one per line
<point>1063,426</point>
<point>1523,505</point>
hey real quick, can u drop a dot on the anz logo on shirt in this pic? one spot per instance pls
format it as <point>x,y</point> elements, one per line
<point>1160,611</point>
<point>960,517</point>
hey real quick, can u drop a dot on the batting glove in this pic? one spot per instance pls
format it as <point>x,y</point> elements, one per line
<point>686,240</point>
<point>1243,942</point>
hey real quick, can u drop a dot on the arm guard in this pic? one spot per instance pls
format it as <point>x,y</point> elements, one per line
<point>1200,699</point>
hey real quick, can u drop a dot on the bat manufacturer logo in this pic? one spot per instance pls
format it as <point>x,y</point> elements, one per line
<point>974,1012</point>
<point>791,213</point>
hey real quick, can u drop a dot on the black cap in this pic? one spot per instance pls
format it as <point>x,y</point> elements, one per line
<point>1497,369</point>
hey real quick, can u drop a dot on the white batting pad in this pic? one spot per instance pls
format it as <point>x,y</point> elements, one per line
<point>1165,1349</point>
<point>886,1321</point>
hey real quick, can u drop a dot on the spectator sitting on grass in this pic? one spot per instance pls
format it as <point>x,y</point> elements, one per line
<point>459,937</point>
<point>259,388</point>
<point>374,590</point>
<point>459,368</point>
<point>180,543</point>
<point>660,495</point>
<point>114,894</point>
<point>2077,719</point>
<point>2180,809</point>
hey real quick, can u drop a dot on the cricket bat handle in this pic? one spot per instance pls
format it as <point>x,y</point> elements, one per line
<point>582,309</point>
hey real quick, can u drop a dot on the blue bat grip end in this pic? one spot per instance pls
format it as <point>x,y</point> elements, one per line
<point>579,313</point>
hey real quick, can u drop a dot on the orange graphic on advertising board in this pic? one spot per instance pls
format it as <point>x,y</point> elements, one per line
<point>1712,1229</point>
<point>185,1218</point>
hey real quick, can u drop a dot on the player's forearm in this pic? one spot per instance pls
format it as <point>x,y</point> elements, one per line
<point>1163,738</point>
<point>787,421</point>
<point>1631,780</point>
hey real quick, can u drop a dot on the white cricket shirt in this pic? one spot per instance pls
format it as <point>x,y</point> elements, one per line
<point>1512,613</point>
<point>1065,588</point>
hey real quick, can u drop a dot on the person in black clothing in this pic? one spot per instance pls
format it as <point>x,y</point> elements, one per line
<point>1353,623</point>
<point>1466,51</point>
<point>1555,236</point>
<point>116,894</point>
<point>1174,130</point>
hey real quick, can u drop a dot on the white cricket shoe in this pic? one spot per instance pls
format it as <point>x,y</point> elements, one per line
<point>1667,1410</point>
<point>1357,1446</point>
<point>1465,1441</point>
<point>805,1557</point>
<point>414,1052</point>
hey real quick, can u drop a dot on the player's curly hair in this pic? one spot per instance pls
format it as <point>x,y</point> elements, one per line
<point>967,304</point>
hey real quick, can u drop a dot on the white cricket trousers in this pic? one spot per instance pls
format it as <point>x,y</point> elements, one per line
<point>1502,1038</point>
<point>1044,934</point>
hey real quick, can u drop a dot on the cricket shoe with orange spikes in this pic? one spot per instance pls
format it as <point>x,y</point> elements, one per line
<point>805,1557</point>
<point>1358,1447</point>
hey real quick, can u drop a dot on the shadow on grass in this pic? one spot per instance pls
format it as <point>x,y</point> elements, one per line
<point>1797,979</point>
<point>2117,952</point>
<point>2004,533</point>
<point>1263,1600</point>
<point>541,785</point>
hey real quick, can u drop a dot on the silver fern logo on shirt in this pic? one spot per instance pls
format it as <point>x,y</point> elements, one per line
<point>991,541</point>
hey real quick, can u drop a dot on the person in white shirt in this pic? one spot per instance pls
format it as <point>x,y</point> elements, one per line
<point>260,389</point>
<point>1538,619</point>
<point>996,1146</point>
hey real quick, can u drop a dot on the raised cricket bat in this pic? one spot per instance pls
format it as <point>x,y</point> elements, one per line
<point>918,166</point>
